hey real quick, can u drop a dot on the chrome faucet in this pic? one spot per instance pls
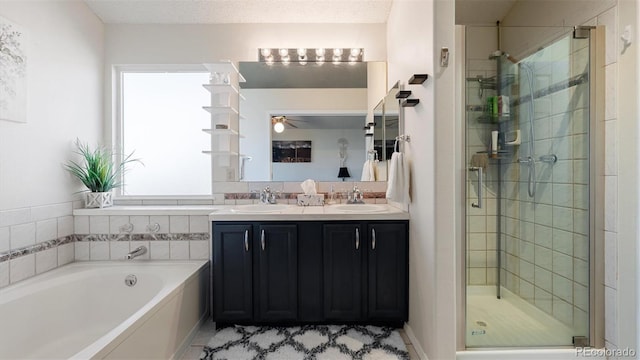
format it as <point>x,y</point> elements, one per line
<point>357,197</point>
<point>139,251</point>
<point>267,196</point>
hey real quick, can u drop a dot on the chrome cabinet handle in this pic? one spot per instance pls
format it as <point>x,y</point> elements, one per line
<point>357,238</point>
<point>373,239</point>
<point>262,240</point>
<point>246,240</point>
<point>479,170</point>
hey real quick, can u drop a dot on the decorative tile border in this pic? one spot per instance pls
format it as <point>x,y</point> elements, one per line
<point>46,245</point>
<point>294,196</point>
<point>143,237</point>
<point>32,249</point>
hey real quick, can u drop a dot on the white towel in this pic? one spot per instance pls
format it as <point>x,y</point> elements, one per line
<point>368,171</point>
<point>398,182</point>
<point>374,170</point>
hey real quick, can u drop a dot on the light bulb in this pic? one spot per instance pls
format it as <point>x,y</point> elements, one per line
<point>355,52</point>
<point>337,52</point>
<point>336,59</point>
<point>286,60</point>
<point>283,52</point>
<point>278,127</point>
<point>320,60</point>
<point>302,60</point>
<point>320,52</point>
<point>353,59</point>
<point>302,52</point>
<point>265,52</point>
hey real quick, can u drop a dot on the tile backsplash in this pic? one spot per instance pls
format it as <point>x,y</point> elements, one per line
<point>37,239</point>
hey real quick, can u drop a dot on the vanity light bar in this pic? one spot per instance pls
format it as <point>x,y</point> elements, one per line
<point>301,56</point>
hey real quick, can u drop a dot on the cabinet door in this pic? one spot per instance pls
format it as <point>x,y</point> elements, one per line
<point>342,251</point>
<point>232,272</point>
<point>388,271</point>
<point>277,258</point>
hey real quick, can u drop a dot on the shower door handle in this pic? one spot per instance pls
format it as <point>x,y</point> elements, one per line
<point>479,170</point>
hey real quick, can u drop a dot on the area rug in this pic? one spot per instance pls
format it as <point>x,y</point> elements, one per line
<point>314,342</point>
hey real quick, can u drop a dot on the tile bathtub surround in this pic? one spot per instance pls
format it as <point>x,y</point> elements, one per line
<point>170,246</point>
<point>34,240</point>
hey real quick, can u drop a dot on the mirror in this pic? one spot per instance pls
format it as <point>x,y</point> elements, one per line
<point>321,112</point>
<point>391,117</point>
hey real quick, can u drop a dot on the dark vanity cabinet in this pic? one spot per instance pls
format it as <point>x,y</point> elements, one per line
<point>387,278</point>
<point>277,272</point>
<point>342,268</point>
<point>232,272</point>
<point>310,272</point>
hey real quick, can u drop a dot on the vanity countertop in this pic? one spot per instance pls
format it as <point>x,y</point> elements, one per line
<point>277,212</point>
<point>260,212</point>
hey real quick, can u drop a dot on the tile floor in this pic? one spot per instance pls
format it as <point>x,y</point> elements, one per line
<point>207,331</point>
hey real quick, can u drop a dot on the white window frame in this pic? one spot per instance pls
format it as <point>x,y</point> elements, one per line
<point>118,127</point>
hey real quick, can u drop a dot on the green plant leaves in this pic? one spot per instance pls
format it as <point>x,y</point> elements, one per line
<point>97,170</point>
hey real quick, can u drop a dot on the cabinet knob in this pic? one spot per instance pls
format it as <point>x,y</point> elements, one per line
<point>373,239</point>
<point>357,238</point>
<point>246,240</point>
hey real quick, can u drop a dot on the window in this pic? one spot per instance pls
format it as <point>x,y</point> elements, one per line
<point>161,122</point>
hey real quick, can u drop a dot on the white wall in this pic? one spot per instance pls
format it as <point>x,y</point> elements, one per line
<point>259,104</point>
<point>412,49</point>
<point>64,101</point>
<point>196,44</point>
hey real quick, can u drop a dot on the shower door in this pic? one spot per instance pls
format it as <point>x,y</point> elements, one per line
<point>527,188</point>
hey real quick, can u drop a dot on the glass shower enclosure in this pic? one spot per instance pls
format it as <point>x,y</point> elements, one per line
<point>527,142</point>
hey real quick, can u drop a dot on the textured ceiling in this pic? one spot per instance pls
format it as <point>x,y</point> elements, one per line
<point>482,12</point>
<point>240,11</point>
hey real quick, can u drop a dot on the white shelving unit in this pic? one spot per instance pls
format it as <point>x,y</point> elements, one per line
<point>225,117</point>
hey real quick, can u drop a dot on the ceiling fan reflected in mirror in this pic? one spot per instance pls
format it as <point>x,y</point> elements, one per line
<point>279,123</point>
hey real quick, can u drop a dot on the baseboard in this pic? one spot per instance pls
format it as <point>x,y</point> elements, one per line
<point>414,342</point>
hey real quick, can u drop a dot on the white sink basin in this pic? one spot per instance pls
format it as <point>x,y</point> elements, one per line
<point>259,208</point>
<point>360,208</point>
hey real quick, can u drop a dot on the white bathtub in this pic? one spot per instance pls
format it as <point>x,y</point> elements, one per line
<point>85,310</point>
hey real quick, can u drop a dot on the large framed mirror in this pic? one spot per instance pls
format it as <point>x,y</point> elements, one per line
<point>320,112</point>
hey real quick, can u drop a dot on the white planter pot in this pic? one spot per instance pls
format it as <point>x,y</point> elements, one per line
<point>99,199</point>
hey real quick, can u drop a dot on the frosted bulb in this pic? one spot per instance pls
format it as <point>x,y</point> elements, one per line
<point>283,52</point>
<point>337,52</point>
<point>265,52</point>
<point>278,127</point>
<point>355,52</point>
<point>320,51</point>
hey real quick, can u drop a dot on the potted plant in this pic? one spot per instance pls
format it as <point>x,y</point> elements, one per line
<point>99,173</point>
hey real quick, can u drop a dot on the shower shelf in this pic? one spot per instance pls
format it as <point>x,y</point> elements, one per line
<point>492,119</point>
<point>502,154</point>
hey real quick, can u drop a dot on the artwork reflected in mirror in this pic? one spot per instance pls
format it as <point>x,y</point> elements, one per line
<point>297,151</point>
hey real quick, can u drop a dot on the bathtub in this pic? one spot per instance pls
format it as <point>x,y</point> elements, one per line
<point>85,310</point>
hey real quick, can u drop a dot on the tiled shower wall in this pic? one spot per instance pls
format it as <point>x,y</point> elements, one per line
<point>545,239</point>
<point>481,223</point>
<point>608,19</point>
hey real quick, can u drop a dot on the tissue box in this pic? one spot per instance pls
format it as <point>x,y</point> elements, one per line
<point>310,200</point>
